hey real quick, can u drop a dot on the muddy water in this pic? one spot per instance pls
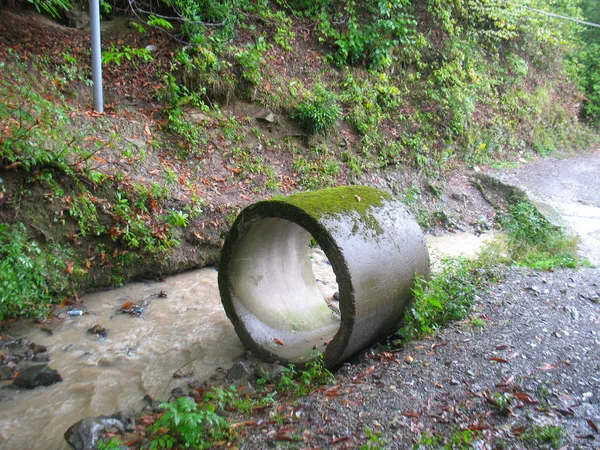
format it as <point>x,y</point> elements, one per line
<point>140,355</point>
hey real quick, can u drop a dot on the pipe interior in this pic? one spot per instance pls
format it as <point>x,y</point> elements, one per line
<point>275,292</point>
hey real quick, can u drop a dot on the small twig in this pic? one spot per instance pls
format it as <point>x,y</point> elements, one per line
<point>169,384</point>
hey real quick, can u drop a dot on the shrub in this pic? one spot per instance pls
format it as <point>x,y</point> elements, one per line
<point>319,112</point>
<point>29,276</point>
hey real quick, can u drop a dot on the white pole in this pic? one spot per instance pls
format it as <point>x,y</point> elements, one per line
<point>96,55</point>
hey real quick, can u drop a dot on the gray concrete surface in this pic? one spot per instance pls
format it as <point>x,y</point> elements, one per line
<point>269,291</point>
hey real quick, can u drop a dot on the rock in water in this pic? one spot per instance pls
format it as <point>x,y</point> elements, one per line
<point>85,434</point>
<point>33,376</point>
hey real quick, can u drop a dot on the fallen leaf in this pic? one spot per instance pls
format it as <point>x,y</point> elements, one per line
<point>69,268</point>
<point>278,341</point>
<point>501,347</point>
<point>547,367</point>
<point>349,402</point>
<point>414,414</point>
<point>13,165</point>
<point>518,431</point>
<point>592,425</point>
<point>524,397</point>
<point>566,412</point>
<point>127,305</point>
<point>408,359</point>
<point>500,360</point>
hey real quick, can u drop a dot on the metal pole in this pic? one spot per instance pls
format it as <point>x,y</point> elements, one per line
<point>96,55</point>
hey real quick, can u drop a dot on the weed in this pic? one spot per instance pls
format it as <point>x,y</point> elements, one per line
<point>30,277</point>
<point>375,441</point>
<point>503,402</point>
<point>547,434</point>
<point>116,55</point>
<point>190,425</point>
<point>533,241</point>
<point>458,440</point>
<point>251,59</point>
<point>447,296</point>
<point>304,381</point>
<point>319,173</point>
<point>110,444</point>
<point>319,111</point>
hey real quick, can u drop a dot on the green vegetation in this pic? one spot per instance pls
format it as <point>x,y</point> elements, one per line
<point>539,435</point>
<point>200,423</point>
<point>318,112</point>
<point>448,295</point>
<point>374,441</point>
<point>186,423</point>
<point>534,242</point>
<point>30,278</point>
<point>304,381</point>
<point>458,440</point>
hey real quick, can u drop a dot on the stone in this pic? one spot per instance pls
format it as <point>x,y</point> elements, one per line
<point>5,373</point>
<point>197,116</point>
<point>38,348</point>
<point>267,117</point>
<point>238,373</point>
<point>98,330</point>
<point>77,18</point>
<point>459,196</point>
<point>270,372</point>
<point>41,357</point>
<point>33,376</point>
<point>85,434</point>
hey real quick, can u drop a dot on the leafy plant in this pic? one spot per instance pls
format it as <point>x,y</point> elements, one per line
<point>110,444</point>
<point>375,441</point>
<point>319,111</point>
<point>30,277</point>
<point>546,434</point>
<point>300,382</point>
<point>533,241</point>
<point>188,424</point>
<point>448,295</point>
<point>116,55</point>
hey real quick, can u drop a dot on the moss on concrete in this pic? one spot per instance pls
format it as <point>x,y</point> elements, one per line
<point>343,200</point>
<point>338,200</point>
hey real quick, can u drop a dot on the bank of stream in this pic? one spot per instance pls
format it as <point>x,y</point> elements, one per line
<point>179,334</point>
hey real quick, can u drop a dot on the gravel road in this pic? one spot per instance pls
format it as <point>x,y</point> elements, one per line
<point>535,362</point>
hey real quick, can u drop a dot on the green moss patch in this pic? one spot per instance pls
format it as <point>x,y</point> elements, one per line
<point>338,200</point>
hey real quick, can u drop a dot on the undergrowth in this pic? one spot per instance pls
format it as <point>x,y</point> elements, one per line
<point>31,278</point>
<point>447,296</point>
<point>532,241</point>
<point>200,423</point>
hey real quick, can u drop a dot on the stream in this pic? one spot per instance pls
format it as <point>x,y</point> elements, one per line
<point>186,331</point>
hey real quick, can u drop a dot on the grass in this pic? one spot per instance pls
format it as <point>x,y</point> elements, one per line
<point>547,434</point>
<point>532,241</point>
<point>448,295</point>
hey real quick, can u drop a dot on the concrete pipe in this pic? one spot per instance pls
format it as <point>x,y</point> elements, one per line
<point>269,291</point>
